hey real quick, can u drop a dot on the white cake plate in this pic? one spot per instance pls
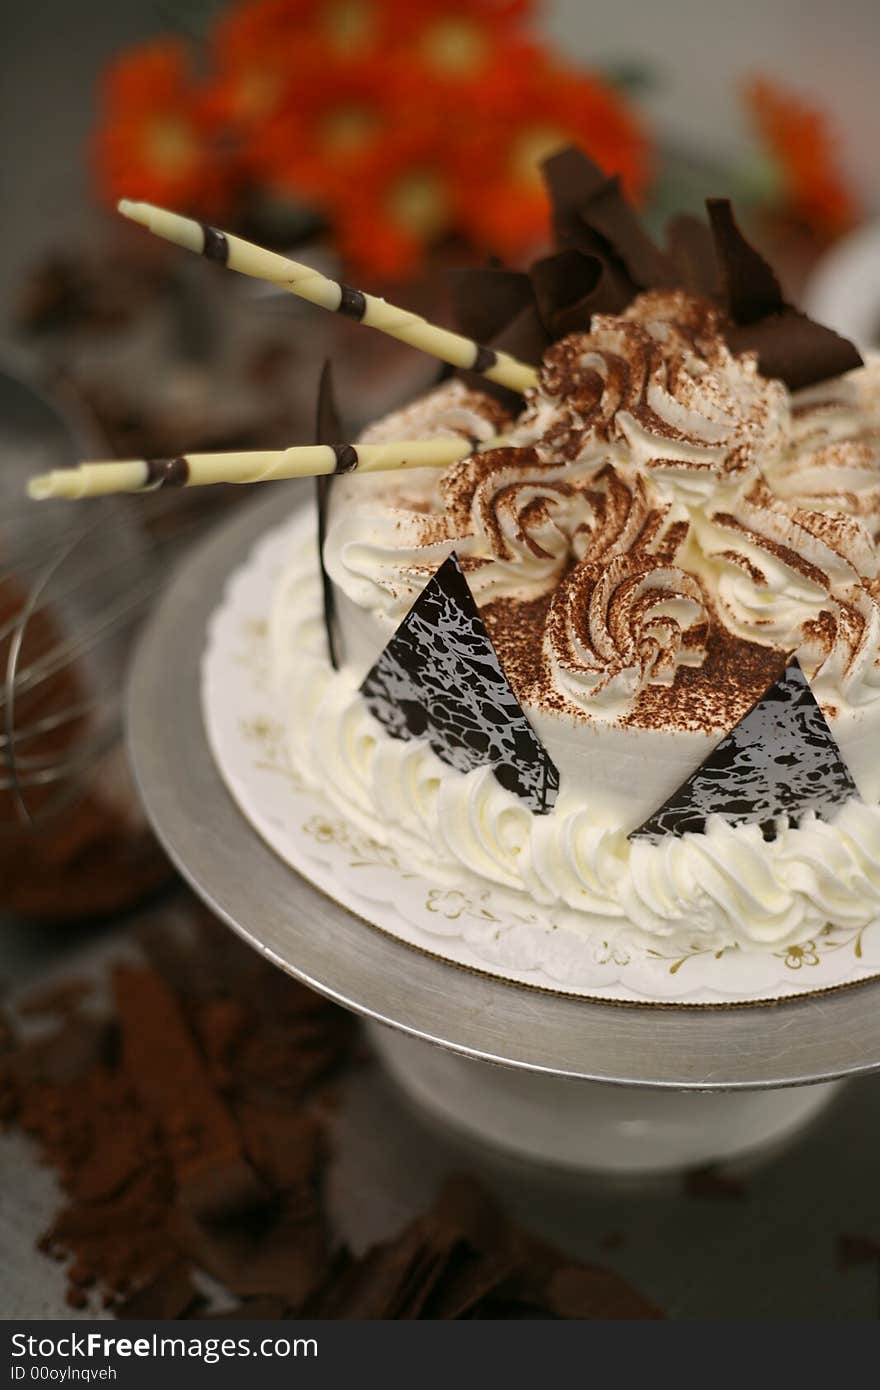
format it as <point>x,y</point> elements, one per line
<point>781,1060</point>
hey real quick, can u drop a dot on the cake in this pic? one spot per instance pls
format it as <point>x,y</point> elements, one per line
<point>655,537</point>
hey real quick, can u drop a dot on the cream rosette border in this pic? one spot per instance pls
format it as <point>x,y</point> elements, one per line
<point>456,917</point>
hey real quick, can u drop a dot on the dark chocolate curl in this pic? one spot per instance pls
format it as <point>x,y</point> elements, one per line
<point>748,285</point>
<point>591,215</point>
<point>571,180</point>
<point>486,299</point>
<point>328,430</point>
<point>794,349</point>
<point>610,215</point>
<point>690,247</point>
<point>497,306</point>
<point>790,346</point>
<point>569,288</point>
<point>525,337</point>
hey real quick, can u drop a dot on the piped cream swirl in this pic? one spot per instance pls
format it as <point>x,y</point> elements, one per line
<point>778,496</point>
<point>659,382</point>
<point>627,615</point>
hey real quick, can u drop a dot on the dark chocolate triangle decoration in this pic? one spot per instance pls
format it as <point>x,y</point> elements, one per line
<point>779,760</point>
<point>328,430</point>
<point>789,345</point>
<point>439,678</point>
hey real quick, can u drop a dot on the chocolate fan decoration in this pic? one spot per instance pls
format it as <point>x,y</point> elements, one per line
<point>523,313</point>
<point>439,678</point>
<point>328,430</point>
<point>781,759</point>
<point>789,345</point>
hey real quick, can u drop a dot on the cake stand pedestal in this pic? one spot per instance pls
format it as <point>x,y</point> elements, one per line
<point>625,1130</point>
<point>516,1067</point>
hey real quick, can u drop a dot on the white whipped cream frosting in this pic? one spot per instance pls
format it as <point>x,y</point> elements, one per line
<point>654,485</point>
<point>722,888</point>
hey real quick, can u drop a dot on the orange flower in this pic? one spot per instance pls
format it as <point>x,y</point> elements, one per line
<point>456,41</point>
<point>254,49</point>
<point>157,138</point>
<point>332,118</point>
<point>409,193</point>
<point>403,121</point>
<point>814,188</point>
<point>260,47</point>
<point>518,118</point>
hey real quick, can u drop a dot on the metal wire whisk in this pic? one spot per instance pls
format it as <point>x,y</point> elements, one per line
<point>74,588</point>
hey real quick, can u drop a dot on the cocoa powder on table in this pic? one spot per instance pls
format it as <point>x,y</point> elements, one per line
<point>187,1124</point>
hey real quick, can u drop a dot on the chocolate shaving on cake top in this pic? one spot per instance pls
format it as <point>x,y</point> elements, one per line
<point>604,259</point>
<point>591,214</point>
<point>789,345</point>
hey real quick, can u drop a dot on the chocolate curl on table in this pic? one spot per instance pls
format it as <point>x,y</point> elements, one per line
<point>789,345</point>
<point>328,430</point>
<point>211,1171</point>
<point>465,1259</point>
<point>267,1050</point>
<point>122,1121</point>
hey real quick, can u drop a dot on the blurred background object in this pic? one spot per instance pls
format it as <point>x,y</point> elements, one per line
<point>844,290</point>
<point>401,128</point>
<point>73,839</point>
<point>678,72</point>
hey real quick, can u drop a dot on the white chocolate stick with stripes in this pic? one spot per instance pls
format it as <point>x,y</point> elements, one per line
<point>256,466</point>
<point>310,284</point>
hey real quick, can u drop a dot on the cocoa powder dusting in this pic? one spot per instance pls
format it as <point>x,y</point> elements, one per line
<point>716,695</point>
<point>517,629</point>
<point>188,1126</point>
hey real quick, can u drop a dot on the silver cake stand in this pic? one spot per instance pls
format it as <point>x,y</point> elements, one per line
<point>517,1067</point>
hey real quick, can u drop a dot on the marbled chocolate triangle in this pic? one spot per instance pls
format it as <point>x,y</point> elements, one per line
<point>439,678</point>
<point>779,760</point>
